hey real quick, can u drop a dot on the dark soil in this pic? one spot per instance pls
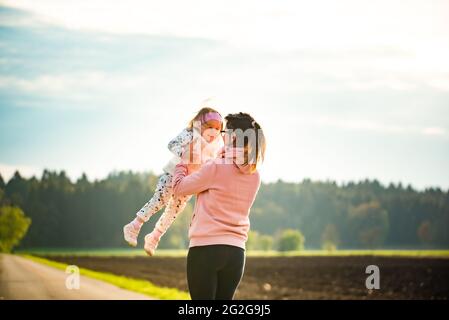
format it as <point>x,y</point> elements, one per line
<point>296,277</point>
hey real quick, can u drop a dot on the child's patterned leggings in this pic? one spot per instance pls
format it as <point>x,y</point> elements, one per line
<point>163,197</point>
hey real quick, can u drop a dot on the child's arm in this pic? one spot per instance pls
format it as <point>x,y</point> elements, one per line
<point>194,183</point>
<point>176,145</point>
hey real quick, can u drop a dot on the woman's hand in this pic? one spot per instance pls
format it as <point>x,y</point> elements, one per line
<point>192,167</point>
<point>221,152</point>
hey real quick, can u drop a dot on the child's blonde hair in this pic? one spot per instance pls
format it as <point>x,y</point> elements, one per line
<point>199,117</point>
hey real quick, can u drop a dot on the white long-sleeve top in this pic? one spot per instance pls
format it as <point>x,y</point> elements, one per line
<point>181,143</point>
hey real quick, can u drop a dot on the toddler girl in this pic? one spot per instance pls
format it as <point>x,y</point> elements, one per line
<point>200,141</point>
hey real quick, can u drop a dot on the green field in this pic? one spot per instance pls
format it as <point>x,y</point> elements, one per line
<point>183,253</point>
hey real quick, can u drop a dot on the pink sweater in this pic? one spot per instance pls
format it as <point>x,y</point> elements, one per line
<point>225,194</point>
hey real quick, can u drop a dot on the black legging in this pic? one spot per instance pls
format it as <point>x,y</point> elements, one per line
<point>214,271</point>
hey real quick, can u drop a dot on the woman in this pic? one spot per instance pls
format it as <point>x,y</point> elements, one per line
<point>226,189</point>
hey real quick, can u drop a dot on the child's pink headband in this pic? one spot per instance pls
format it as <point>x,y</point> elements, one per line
<point>212,116</point>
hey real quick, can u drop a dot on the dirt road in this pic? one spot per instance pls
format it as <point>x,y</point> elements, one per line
<point>24,279</point>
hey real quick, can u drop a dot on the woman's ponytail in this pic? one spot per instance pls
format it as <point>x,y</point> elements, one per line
<point>254,148</point>
<point>260,143</point>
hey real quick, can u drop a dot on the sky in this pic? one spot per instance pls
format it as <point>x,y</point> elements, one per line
<point>344,90</point>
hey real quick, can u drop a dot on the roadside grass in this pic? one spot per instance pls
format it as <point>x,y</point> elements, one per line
<point>132,284</point>
<point>272,253</point>
<point>351,253</point>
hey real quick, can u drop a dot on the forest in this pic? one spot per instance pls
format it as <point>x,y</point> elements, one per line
<point>320,214</point>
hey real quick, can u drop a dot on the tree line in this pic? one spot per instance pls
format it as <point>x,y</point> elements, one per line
<point>285,216</point>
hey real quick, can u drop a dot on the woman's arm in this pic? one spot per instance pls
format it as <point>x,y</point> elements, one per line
<point>199,181</point>
<point>176,145</point>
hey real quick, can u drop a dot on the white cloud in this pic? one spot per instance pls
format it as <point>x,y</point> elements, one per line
<point>319,46</point>
<point>88,89</point>
<point>68,84</point>
<point>287,78</point>
<point>372,126</point>
<point>434,131</point>
<point>265,24</point>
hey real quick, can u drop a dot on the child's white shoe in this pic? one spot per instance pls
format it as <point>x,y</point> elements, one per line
<point>130,233</point>
<point>150,244</point>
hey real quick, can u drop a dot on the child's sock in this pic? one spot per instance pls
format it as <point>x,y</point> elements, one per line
<point>137,223</point>
<point>157,234</point>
